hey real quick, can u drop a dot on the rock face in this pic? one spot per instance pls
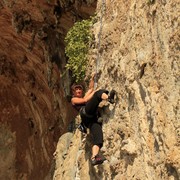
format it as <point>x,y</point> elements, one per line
<point>34,111</point>
<point>139,58</point>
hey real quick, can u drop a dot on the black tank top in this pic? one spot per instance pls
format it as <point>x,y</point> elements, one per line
<point>79,106</point>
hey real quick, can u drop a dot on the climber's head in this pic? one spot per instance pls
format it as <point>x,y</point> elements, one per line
<point>77,90</point>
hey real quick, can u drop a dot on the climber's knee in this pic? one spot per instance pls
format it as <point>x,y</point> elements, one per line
<point>100,92</point>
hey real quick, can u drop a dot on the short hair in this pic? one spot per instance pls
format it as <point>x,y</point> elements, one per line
<point>74,86</point>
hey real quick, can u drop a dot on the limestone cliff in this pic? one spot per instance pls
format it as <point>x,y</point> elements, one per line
<point>139,58</point>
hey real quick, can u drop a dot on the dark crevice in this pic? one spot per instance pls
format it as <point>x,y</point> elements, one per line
<point>172,171</point>
<point>151,122</point>
<point>142,69</point>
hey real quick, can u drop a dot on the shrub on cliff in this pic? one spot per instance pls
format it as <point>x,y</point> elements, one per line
<point>77,42</point>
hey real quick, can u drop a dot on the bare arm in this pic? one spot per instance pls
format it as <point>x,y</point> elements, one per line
<point>91,83</point>
<point>90,91</point>
<point>76,100</point>
<point>86,98</point>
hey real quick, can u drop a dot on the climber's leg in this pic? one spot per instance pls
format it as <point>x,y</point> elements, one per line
<point>92,104</point>
<point>97,134</point>
<point>97,138</point>
<point>95,150</point>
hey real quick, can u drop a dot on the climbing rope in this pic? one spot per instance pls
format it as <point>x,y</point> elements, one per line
<point>103,9</point>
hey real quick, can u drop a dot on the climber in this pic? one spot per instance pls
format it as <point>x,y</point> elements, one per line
<point>87,106</point>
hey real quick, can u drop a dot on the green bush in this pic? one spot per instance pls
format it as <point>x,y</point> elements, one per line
<point>77,42</point>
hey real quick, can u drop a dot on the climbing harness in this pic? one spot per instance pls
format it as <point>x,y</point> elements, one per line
<point>82,128</point>
<point>103,8</point>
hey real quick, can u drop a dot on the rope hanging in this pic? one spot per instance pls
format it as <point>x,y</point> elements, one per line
<point>99,41</point>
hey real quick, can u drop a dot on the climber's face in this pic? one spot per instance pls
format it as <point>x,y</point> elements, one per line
<point>78,92</point>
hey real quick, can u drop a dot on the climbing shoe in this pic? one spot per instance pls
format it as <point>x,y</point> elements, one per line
<point>111,96</point>
<point>82,128</point>
<point>98,159</point>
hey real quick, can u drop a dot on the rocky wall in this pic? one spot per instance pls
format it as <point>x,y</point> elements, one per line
<point>139,58</point>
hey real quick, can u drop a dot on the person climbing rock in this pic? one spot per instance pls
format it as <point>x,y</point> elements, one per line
<point>87,106</point>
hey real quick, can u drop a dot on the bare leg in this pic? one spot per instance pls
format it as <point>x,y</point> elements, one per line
<point>96,158</point>
<point>95,150</point>
<point>104,96</point>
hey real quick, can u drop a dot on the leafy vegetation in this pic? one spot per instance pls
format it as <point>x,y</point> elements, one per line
<point>77,41</point>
